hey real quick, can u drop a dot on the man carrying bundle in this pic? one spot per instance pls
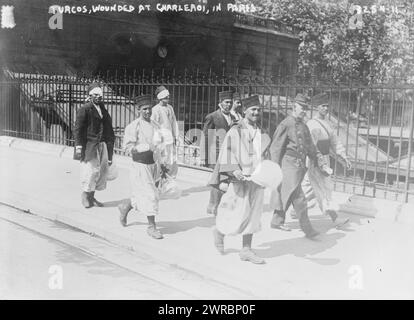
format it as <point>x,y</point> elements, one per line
<point>142,141</point>
<point>242,204</point>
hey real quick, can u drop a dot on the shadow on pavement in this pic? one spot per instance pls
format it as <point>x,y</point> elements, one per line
<point>301,247</point>
<point>112,204</point>
<point>195,189</point>
<point>171,227</point>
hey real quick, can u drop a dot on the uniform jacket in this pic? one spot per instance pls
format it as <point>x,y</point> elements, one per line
<point>292,136</point>
<point>291,144</point>
<point>91,129</point>
<point>216,121</point>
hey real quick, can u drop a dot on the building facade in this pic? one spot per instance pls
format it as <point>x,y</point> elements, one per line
<point>90,42</point>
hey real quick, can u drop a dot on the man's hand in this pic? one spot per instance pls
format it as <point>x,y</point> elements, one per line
<point>109,163</point>
<point>239,175</point>
<point>78,152</point>
<point>327,170</point>
<point>348,164</point>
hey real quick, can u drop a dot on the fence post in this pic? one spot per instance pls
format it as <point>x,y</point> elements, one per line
<point>70,116</point>
<point>409,156</point>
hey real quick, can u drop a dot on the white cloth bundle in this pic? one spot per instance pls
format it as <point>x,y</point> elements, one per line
<point>112,173</point>
<point>267,174</point>
<point>168,188</point>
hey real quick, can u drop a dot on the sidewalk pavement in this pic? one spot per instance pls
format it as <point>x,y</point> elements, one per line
<point>43,179</point>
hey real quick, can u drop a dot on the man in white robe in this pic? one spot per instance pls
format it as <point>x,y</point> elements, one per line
<point>163,114</point>
<point>94,145</point>
<point>242,205</point>
<point>316,184</point>
<point>142,141</point>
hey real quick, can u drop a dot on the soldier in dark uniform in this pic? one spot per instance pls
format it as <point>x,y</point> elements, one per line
<point>215,128</point>
<point>291,144</point>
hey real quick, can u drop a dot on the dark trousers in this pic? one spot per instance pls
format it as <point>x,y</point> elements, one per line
<point>299,202</point>
<point>215,198</point>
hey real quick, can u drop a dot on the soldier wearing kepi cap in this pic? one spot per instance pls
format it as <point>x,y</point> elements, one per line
<point>163,114</point>
<point>94,144</point>
<point>291,144</point>
<point>318,183</point>
<point>142,141</point>
<point>215,128</point>
<point>242,205</point>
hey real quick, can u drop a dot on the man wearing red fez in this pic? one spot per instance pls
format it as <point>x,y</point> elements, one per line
<point>241,207</point>
<point>215,128</point>
<point>163,114</point>
<point>94,145</point>
<point>142,140</point>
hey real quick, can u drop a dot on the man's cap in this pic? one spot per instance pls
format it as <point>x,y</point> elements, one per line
<point>303,100</point>
<point>143,100</point>
<point>320,99</point>
<point>95,88</point>
<point>223,95</point>
<point>161,92</point>
<point>236,96</point>
<point>252,101</point>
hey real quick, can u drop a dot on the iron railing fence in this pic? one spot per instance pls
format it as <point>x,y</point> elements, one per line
<point>374,123</point>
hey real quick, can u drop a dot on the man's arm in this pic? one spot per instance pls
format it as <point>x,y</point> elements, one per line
<point>109,136</point>
<point>313,152</point>
<point>337,146</point>
<point>81,124</point>
<point>155,116</point>
<point>279,142</point>
<point>208,125</point>
<point>174,125</point>
<point>130,138</point>
<point>315,130</point>
<point>339,149</point>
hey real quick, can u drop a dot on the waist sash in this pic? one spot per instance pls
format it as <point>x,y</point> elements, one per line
<point>146,157</point>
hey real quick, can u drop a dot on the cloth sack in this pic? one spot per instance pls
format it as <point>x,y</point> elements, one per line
<point>267,174</point>
<point>168,188</point>
<point>112,173</point>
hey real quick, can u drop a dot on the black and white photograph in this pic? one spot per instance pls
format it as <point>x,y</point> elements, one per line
<point>206,150</point>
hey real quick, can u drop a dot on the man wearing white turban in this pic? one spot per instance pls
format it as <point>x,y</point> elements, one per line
<point>94,145</point>
<point>163,114</point>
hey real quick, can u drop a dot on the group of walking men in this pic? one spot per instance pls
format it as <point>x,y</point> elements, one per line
<point>150,140</point>
<point>295,147</point>
<point>234,146</point>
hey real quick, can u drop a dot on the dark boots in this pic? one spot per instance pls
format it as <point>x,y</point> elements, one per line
<point>278,221</point>
<point>94,201</point>
<point>124,207</point>
<point>88,200</point>
<point>338,222</point>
